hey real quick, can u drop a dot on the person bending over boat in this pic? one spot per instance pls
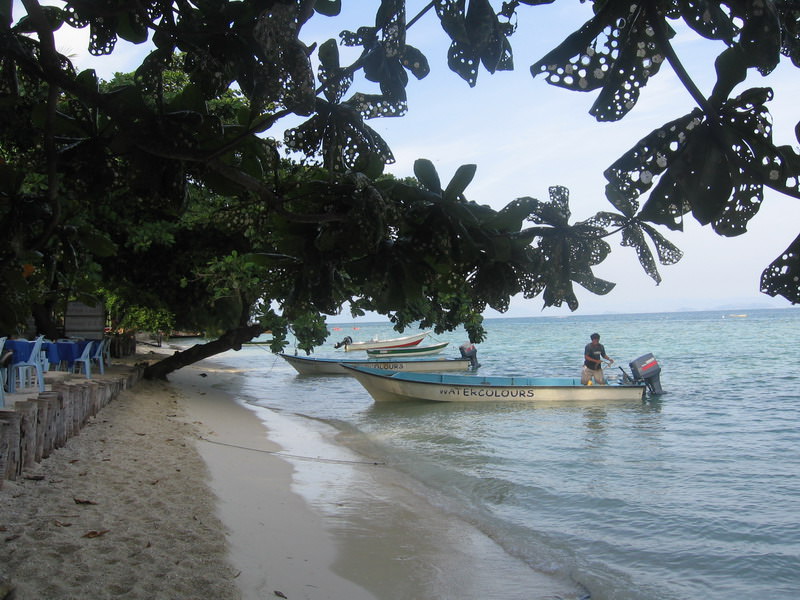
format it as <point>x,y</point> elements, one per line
<point>593,354</point>
<point>469,351</point>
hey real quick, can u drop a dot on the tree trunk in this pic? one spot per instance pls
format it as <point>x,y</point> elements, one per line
<point>230,340</point>
<point>42,317</point>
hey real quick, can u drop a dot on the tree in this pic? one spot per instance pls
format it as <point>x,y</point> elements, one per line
<point>112,186</point>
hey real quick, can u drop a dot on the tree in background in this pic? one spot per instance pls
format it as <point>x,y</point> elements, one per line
<point>165,188</point>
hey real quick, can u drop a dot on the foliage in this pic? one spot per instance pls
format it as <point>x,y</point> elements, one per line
<point>137,318</point>
<point>164,188</point>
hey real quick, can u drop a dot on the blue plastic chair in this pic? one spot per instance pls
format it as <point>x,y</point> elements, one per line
<point>99,354</point>
<point>86,359</point>
<point>22,369</point>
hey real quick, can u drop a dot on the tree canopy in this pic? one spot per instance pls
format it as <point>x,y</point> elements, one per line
<point>169,188</point>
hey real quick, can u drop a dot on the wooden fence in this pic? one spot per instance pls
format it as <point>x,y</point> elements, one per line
<point>35,427</point>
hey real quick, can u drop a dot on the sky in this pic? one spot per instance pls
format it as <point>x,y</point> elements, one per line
<point>525,136</point>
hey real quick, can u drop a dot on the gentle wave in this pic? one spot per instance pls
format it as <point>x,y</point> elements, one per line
<point>694,495</point>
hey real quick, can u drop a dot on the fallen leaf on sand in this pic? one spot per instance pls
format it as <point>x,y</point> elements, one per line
<point>79,501</point>
<point>95,534</point>
<point>58,523</point>
<point>279,594</point>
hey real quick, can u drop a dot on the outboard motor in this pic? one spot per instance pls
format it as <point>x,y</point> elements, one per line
<point>646,368</point>
<point>347,340</point>
<point>469,351</point>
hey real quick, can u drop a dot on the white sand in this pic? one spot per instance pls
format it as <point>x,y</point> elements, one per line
<point>145,527</point>
<point>191,502</point>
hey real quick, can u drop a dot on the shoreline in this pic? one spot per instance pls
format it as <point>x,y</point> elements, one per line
<point>276,542</point>
<point>384,537</point>
<point>192,500</point>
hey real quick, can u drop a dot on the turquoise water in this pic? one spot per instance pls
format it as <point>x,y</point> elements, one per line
<point>693,495</point>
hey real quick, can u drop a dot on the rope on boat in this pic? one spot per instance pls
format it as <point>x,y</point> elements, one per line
<point>338,461</point>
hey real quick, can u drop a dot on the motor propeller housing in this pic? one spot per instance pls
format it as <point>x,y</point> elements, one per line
<point>646,368</point>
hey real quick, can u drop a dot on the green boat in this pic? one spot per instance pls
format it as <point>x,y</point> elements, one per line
<point>408,352</point>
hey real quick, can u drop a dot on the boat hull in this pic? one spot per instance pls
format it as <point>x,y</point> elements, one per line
<point>306,365</point>
<point>400,387</point>
<point>401,342</point>
<point>409,352</point>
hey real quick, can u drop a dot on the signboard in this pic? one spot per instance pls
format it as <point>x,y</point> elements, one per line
<point>83,321</point>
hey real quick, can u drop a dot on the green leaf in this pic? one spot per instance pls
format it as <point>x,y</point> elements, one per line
<point>329,54</point>
<point>731,71</point>
<point>511,217</point>
<point>427,175</point>
<point>263,259</point>
<point>6,10</point>
<point>782,276</point>
<point>329,8</point>
<point>98,244</point>
<point>370,163</point>
<point>598,286</point>
<point>130,28</point>
<point>416,62</point>
<point>10,180</point>
<point>191,98</point>
<point>53,15</point>
<point>88,80</point>
<point>709,187</point>
<point>459,182</point>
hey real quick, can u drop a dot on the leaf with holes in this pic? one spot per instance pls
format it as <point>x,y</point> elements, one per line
<point>339,133</point>
<point>616,50</point>
<point>782,277</point>
<point>568,251</point>
<point>335,80</point>
<point>715,169</point>
<point>477,38</point>
<point>634,172</point>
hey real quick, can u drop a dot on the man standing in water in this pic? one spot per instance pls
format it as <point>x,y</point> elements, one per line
<point>592,363</point>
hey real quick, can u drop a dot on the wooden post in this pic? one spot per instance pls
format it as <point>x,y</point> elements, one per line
<point>12,446</point>
<point>37,426</point>
<point>82,403</point>
<point>44,428</point>
<point>93,393</point>
<point>60,419</point>
<point>27,410</point>
<point>51,431</point>
<point>5,441</point>
<point>68,403</point>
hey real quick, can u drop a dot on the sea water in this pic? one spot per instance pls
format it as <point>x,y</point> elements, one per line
<point>691,495</point>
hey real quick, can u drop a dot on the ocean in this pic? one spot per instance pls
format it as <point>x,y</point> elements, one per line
<point>691,495</point>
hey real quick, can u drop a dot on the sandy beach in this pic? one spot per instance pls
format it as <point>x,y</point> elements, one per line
<point>176,490</point>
